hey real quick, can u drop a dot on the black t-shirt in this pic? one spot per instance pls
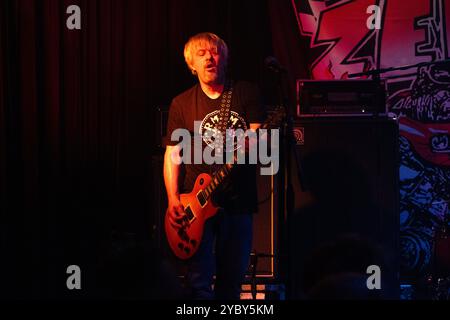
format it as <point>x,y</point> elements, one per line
<point>239,194</point>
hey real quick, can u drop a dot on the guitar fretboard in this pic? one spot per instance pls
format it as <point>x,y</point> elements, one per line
<point>218,178</point>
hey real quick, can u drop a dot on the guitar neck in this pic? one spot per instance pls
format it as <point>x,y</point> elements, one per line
<point>220,176</point>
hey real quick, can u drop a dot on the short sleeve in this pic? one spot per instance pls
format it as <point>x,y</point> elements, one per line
<point>174,121</point>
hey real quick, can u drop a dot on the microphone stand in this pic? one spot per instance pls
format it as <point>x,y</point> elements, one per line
<point>287,195</point>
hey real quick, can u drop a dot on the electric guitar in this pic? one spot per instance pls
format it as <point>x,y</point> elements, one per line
<point>198,207</point>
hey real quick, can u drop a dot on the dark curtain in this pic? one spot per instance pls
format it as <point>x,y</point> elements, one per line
<point>289,47</point>
<point>78,126</point>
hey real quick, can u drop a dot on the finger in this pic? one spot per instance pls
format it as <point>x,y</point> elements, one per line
<point>173,213</point>
<point>175,223</point>
<point>180,212</point>
<point>183,222</point>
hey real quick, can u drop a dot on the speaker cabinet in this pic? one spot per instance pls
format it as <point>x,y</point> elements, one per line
<point>349,169</point>
<point>265,230</point>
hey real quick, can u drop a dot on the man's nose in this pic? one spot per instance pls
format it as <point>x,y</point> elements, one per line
<point>208,55</point>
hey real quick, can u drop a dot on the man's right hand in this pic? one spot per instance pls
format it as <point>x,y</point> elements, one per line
<point>176,214</point>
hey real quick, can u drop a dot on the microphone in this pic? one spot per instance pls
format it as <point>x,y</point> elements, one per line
<point>274,65</point>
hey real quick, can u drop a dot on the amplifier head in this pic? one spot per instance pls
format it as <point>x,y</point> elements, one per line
<point>340,98</point>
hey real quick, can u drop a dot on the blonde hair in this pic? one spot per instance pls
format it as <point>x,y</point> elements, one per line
<point>204,37</point>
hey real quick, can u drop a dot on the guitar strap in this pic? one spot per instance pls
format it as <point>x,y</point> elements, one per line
<point>224,113</point>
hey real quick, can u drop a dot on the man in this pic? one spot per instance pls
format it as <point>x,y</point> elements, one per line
<point>226,243</point>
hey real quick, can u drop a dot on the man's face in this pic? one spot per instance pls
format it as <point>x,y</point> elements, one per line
<point>208,63</point>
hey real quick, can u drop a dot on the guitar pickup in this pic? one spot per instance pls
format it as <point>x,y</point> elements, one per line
<point>201,198</point>
<point>189,213</point>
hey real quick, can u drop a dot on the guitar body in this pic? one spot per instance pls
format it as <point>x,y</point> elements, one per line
<point>185,241</point>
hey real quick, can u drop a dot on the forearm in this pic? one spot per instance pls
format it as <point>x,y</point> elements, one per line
<point>171,173</point>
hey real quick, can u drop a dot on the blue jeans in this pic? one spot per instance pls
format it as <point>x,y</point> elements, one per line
<point>224,251</point>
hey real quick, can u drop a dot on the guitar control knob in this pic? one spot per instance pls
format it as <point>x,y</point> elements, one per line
<point>194,242</point>
<point>187,250</point>
<point>180,246</point>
